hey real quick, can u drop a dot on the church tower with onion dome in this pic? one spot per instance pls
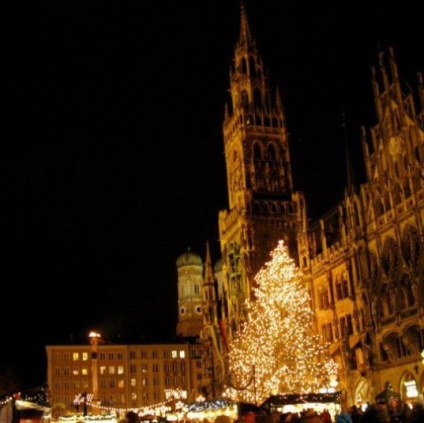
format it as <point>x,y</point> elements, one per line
<point>190,281</point>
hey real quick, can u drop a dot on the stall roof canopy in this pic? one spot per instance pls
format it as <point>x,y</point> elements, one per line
<point>277,400</point>
<point>387,394</point>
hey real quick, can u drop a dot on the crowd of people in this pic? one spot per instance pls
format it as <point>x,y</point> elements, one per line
<point>374,413</point>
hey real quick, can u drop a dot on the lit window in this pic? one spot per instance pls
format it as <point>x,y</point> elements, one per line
<point>84,356</point>
<point>120,370</point>
<point>84,371</point>
<point>182,354</point>
<point>133,396</point>
<point>121,383</point>
<point>75,356</point>
<point>174,354</point>
<point>111,370</point>
<point>133,381</point>
<point>75,372</point>
<point>102,370</point>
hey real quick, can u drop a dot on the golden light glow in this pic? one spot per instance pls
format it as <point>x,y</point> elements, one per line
<point>94,334</point>
<point>277,349</point>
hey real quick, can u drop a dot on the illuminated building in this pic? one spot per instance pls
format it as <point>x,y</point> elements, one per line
<point>190,280</point>
<point>363,261</point>
<point>129,376</point>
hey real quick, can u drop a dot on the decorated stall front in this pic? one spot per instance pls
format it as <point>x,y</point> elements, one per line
<point>218,411</point>
<point>297,403</point>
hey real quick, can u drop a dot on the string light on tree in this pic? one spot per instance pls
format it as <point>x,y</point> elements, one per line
<point>278,338</point>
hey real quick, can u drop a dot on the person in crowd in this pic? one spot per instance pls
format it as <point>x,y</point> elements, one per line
<point>132,417</point>
<point>325,416</point>
<point>343,417</point>
<point>416,415</point>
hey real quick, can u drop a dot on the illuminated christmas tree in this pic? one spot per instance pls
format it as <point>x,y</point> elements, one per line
<point>277,350</point>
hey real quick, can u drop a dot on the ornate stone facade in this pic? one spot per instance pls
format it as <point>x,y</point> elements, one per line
<point>363,261</point>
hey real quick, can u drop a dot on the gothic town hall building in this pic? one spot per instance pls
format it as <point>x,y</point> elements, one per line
<point>363,261</point>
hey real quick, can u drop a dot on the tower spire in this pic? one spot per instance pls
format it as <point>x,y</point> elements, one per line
<point>349,168</point>
<point>208,277</point>
<point>245,35</point>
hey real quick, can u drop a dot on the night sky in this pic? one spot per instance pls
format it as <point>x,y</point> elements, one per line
<point>112,146</point>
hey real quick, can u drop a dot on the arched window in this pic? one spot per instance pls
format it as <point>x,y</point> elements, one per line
<point>257,152</point>
<point>252,66</point>
<point>363,264</point>
<point>416,180</point>
<point>387,204</point>
<point>257,97</point>
<point>243,66</point>
<point>379,209</point>
<point>271,152</point>
<point>406,187</point>
<point>356,214</point>
<point>417,152</point>
<point>244,98</point>
<point>373,265</point>
<point>386,301</point>
<point>397,194</point>
<point>408,292</point>
<point>410,245</point>
<point>390,259</point>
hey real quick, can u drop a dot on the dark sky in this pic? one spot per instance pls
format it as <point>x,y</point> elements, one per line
<point>113,153</point>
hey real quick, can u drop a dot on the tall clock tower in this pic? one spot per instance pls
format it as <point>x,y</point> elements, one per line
<point>262,206</point>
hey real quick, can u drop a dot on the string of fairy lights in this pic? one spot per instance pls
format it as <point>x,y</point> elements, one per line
<point>277,350</point>
<point>36,395</point>
<point>173,397</point>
